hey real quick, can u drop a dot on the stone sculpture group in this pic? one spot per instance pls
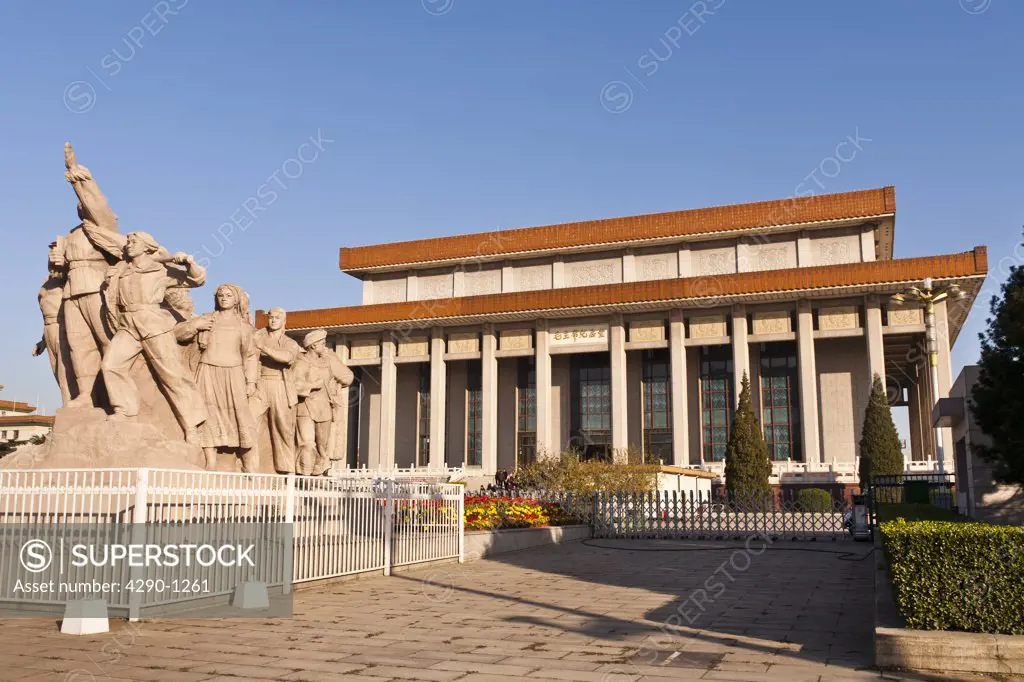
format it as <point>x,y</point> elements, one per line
<point>118,313</point>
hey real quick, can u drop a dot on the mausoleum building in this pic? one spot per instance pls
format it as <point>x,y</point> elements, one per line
<point>631,335</point>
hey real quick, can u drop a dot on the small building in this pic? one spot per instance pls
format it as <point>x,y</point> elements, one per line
<point>488,350</point>
<point>978,493</point>
<point>18,423</point>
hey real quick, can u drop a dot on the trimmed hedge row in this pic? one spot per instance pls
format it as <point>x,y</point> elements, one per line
<point>957,576</point>
<point>814,500</point>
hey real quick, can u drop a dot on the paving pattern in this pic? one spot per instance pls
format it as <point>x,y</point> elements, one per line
<point>601,611</point>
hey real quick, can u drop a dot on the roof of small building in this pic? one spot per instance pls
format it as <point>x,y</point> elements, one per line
<point>809,212</point>
<point>16,406</point>
<point>26,420</point>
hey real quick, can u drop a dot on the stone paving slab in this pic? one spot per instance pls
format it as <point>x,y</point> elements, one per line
<point>599,611</point>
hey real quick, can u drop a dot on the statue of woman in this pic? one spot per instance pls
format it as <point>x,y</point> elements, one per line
<point>226,376</point>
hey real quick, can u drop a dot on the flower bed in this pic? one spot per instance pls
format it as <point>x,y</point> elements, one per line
<point>492,513</point>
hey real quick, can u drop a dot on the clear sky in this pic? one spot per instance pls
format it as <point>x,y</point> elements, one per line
<point>450,116</point>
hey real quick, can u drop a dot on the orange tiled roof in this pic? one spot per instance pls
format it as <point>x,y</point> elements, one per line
<point>961,265</point>
<point>27,420</point>
<point>865,204</point>
<point>16,406</point>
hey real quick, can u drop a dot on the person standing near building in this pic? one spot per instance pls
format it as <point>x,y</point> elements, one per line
<point>319,374</point>
<point>275,391</point>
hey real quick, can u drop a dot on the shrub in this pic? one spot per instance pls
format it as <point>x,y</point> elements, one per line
<point>957,576</point>
<point>916,512</point>
<point>747,467</point>
<point>880,453</point>
<point>814,500</point>
<point>567,473</point>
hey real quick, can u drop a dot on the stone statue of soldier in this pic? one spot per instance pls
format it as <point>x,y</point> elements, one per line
<point>144,324</point>
<point>319,375</point>
<point>87,251</point>
<point>51,296</point>
<point>275,391</point>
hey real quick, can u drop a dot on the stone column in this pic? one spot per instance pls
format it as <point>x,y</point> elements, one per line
<point>684,261</point>
<point>873,332</point>
<point>506,278</point>
<point>803,250</point>
<point>628,267</point>
<point>945,371</point>
<point>388,397</point>
<point>489,400</point>
<point>809,424</point>
<point>620,412</point>
<point>680,400</point>
<point>438,386</point>
<point>867,244</point>
<point>740,350</point>
<point>340,425</point>
<point>545,435</point>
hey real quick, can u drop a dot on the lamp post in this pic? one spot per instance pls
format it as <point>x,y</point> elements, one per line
<point>929,295</point>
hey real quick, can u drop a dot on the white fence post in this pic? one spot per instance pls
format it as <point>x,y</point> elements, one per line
<point>140,516</point>
<point>289,519</point>
<point>462,526</point>
<point>389,516</point>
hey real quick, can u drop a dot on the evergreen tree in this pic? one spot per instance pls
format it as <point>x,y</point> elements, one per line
<point>747,466</point>
<point>998,397</point>
<point>880,453</point>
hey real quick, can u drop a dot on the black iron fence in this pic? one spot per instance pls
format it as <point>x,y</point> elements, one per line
<point>938,490</point>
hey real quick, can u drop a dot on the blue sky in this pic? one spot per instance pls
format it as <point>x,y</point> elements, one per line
<point>444,117</point>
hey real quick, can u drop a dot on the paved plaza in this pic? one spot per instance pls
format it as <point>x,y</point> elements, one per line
<point>601,611</point>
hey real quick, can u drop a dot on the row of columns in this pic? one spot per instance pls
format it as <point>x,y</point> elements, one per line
<point>547,431</point>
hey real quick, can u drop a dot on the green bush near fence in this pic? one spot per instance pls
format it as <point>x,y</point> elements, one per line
<point>569,474</point>
<point>957,576</point>
<point>917,512</point>
<point>814,500</point>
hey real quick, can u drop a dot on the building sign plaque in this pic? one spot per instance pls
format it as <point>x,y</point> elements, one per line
<point>568,336</point>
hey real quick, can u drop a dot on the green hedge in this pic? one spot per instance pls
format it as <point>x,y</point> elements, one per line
<point>957,576</point>
<point>814,500</point>
<point>917,512</point>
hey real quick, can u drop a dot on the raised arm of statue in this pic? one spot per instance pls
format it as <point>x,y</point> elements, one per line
<point>98,219</point>
<point>194,275</point>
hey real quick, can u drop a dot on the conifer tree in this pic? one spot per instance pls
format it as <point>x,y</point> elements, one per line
<point>747,467</point>
<point>880,453</point>
<point>998,397</point>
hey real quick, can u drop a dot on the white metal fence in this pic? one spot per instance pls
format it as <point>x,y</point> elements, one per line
<point>339,526</point>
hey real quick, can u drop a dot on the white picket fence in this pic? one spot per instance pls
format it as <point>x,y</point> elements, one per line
<point>339,526</point>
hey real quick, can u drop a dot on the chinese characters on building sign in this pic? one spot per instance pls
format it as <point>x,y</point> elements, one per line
<point>570,335</point>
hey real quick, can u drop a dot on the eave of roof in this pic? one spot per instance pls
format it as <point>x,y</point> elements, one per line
<point>826,210</point>
<point>967,268</point>
<point>27,420</point>
<point>16,406</point>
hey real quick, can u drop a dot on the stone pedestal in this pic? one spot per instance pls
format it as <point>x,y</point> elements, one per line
<point>83,438</point>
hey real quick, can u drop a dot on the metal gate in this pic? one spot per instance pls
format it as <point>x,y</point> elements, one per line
<point>675,515</point>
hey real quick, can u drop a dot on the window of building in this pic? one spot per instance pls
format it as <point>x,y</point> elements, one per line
<point>3,435</point>
<point>423,439</point>
<point>474,417</point>
<point>716,401</point>
<point>591,394</point>
<point>657,398</point>
<point>15,436</point>
<point>780,411</point>
<point>526,412</point>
